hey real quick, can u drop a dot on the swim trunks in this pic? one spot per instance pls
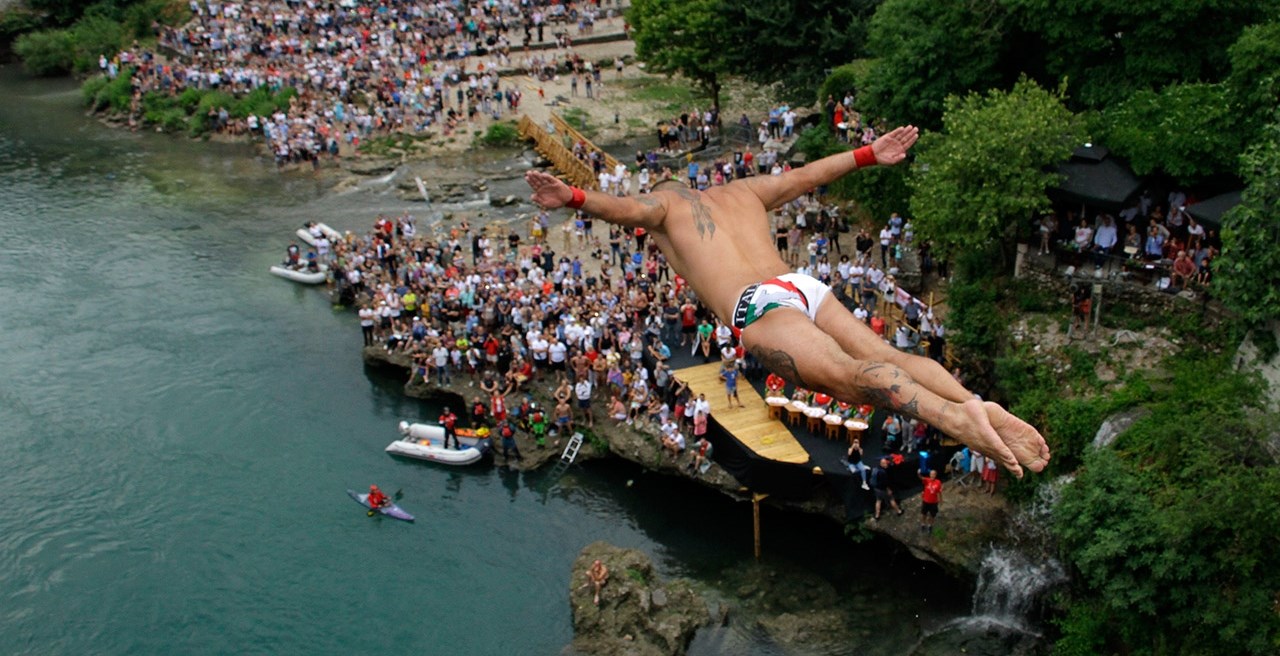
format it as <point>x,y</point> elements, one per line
<point>792,290</point>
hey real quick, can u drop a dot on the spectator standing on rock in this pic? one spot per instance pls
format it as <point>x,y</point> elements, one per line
<point>883,491</point>
<point>929,500</point>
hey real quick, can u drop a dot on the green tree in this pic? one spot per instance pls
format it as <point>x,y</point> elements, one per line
<point>1108,49</point>
<point>927,50</point>
<point>682,36</point>
<point>794,42</point>
<point>1254,83</point>
<point>1248,272</point>
<point>877,192</point>
<point>985,175</point>
<point>1171,531</point>
<point>95,36</point>
<point>1186,130</point>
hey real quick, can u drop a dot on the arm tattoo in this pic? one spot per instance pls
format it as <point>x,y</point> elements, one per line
<point>701,214</point>
<point>779,362</point>
<point>891,396</point>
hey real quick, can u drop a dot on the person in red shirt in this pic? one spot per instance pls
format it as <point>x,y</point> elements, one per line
<point>929,500</point>
<point>376,498</point>
<point>447,421</point>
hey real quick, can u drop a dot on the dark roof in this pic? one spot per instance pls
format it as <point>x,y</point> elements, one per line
<point>1211,210</point>
<point>1094,179</point>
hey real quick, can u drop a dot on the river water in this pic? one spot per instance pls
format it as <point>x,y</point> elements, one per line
<point>178,429</point>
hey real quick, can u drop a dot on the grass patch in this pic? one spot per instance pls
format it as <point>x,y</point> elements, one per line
<point>636,575</point>
<point>579,119</point>
<point>668,95</point>
<point>500,135</point>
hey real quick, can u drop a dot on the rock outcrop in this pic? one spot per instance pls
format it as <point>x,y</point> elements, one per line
<point>638,615</point>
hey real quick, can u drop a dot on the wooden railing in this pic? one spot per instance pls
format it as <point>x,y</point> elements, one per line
<point>557,147</point>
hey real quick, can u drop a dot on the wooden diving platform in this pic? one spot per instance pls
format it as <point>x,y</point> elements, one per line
<point>557,146</point>
<point>750,425</point>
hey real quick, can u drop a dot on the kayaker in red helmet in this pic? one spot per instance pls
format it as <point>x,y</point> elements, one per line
<point>376,498</point>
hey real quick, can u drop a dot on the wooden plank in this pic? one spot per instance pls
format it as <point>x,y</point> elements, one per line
<point>750,425</point>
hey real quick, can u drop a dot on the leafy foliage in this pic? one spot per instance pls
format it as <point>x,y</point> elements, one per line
<point>842,80</point>
<point>95,36</point>
<point>976,328</point>
<point>682,36</point>
<point>1109,49</point>
<point>501,134</point>
<point>878,191</point>
<point>1248,272</point>
<point>1184,130</point>
<point>49,52</point>
<point>94,29</point>
<point>1172,531</point>
<point>926,51</point>
<point>985,174</point>
<point>1254,83</point>
<point>794,42</point>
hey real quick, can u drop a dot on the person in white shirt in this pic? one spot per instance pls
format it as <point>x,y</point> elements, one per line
<point>582,390</point>
<point>440,359</point>
<point>1104,240</point>
<point>366,324</point>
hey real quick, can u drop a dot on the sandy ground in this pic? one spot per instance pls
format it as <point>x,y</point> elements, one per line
<point>613,115</point>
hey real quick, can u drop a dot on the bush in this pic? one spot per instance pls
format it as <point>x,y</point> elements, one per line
<point>48,52</point>
<point>501,134</point>
<point>842,80</point>
<point>164,110</point>
<point>118,94</point>
<point>1171,530</point>
<point>93,37</point>
<point>209,100</point>
<point>262,101</point>
<point>90,89</point>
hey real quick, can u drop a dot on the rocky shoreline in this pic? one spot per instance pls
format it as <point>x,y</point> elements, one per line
<point>970,520</point>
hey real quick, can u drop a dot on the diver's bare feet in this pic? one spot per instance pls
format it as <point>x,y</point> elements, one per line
<point>981,436</point>
<point>1026,443</point>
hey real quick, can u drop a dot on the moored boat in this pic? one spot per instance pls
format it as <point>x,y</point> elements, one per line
<point>424,449</point>
<point>305,235</point>
<point>303,276</point>
<point>435,432</point>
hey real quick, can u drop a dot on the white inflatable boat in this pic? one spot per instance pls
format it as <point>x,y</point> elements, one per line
<point>304,276</point>
<point>305,235</point>
<point>435,433</point>
<point>301,275</point>
<point>424,449</point>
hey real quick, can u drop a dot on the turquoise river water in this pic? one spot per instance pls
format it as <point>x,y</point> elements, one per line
<point>178,429</point>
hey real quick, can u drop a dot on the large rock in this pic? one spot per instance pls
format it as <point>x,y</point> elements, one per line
<point>1116,424</point>
<point>371,165</point>
<point>638,615</point>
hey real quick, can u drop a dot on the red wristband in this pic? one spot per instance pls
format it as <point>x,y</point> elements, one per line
<point>579,197</point>
<point>864,157</point>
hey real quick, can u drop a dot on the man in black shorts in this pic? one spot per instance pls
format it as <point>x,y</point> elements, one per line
<point>880,485</point>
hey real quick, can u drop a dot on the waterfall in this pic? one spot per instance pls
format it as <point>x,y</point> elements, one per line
<point>1008,585</point>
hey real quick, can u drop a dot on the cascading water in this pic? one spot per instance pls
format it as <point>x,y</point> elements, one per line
<point>1000,623</point>
<point>1009,585</point>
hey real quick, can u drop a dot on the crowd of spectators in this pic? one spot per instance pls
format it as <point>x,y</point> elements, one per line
<point>360,69</point>
<point>1147,234</point>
